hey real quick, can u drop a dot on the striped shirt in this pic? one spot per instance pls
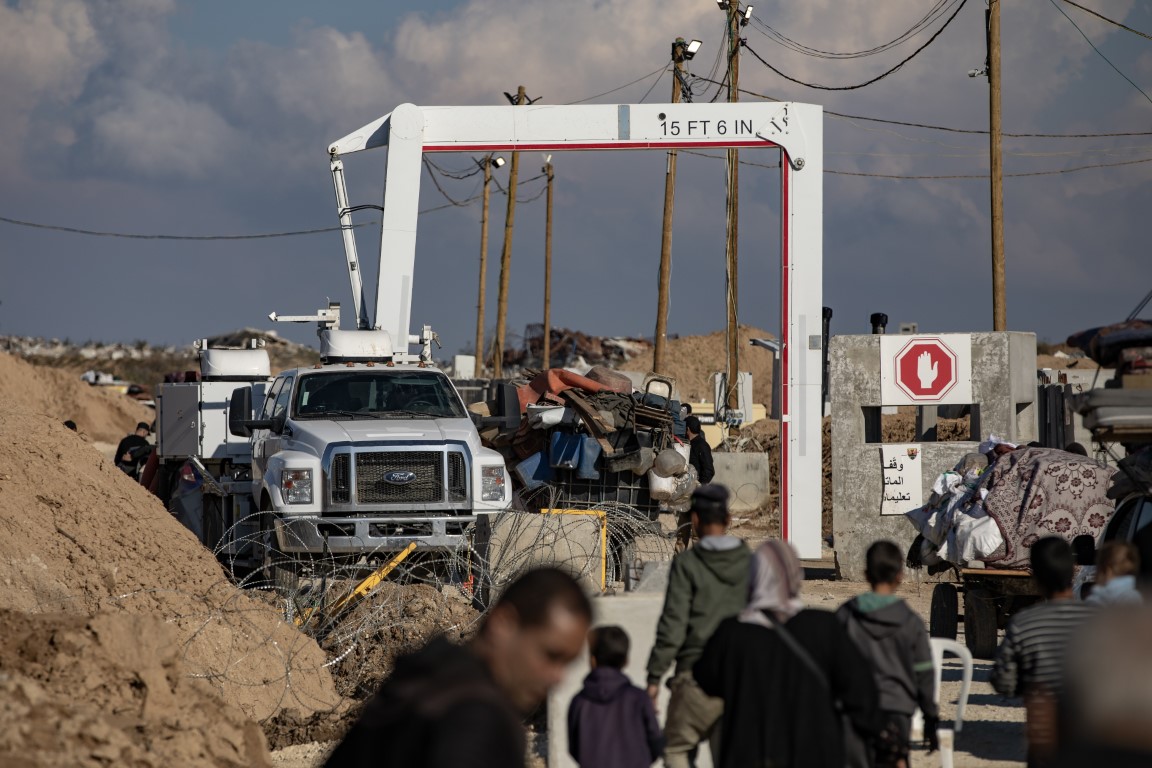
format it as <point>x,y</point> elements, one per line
<point>1033,650</point>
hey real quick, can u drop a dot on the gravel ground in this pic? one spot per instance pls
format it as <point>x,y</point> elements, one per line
<point>993,726</point>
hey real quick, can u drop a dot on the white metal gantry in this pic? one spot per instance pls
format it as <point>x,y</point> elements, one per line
<point>797,129</point>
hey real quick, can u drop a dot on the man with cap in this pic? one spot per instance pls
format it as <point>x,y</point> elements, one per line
<point>706,584</point>
<point>129,455</point>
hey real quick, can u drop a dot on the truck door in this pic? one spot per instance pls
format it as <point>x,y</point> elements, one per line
<point>260,436</point>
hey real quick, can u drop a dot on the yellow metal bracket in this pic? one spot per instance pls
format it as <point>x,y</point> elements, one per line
<point>603,517</point>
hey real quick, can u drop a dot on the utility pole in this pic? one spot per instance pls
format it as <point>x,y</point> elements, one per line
<point>548,267</point>
<point>999,293</point>
<point>506,254</point>
<point>487,164</point>
<point>736,19</point>
<point>659,352</point>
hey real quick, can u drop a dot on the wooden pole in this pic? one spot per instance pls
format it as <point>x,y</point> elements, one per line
<point>999,292</point>
<point>659,352</point>
<point>732,396</point>
<point>548,268</point>
<point>483,267</point>
<point>506,259</point>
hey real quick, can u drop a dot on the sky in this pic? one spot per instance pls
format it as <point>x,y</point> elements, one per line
<point>204,117</point>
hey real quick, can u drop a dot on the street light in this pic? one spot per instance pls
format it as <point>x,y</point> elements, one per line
<point>691,49</point>
<point>747,16</point>
<point>724,4</point>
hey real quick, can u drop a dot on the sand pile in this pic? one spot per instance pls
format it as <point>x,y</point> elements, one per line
<point>100,414</point>
<point>693,359</point>
<point>78,536</point>
<point>110,689</point>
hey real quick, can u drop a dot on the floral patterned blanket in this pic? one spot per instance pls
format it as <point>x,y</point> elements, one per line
<point>1038,492</point>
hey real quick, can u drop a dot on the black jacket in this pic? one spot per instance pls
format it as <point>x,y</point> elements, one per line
<point>700,456</point>
<point>611,723</point>
<point>776,712</point>
<point>893,638</point>
<point>439,709</point>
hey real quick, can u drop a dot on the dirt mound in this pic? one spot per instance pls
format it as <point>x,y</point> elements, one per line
<point>111,690</point>
<point>58,395</point>
<point>78,536</point>
<point>693,359</point>
<point>395,619</point>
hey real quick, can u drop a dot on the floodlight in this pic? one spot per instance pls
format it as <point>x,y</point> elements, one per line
<point>498,162</point>
<point>723,4</point>
<point>691,49</point>
<point>748,14</point>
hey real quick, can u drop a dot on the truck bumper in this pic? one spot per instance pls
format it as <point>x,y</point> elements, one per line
<point>365,535</point>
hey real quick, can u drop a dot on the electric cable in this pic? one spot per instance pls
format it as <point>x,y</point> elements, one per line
<point>923,23</point>
<point>866,83</point>
<point>137,236</point>
<point>1110,21</point>
<point>620,88</point>
<point>949,129</point>
<point>1099,52</point>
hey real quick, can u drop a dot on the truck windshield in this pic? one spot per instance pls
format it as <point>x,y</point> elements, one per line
<point>366,394</point>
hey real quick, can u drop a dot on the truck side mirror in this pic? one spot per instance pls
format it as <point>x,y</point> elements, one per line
<point>240,412</point>
<point>240,421</point>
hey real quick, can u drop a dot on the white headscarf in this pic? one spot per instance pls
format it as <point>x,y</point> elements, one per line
<point>774,584</point>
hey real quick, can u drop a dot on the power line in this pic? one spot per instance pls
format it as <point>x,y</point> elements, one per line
<point>879,77</point>
<point>949,129</point>
<point>1021,174</point>
<point>622,87</point>
<point>1110,21</point>
<point>1099,52</point>
<point>134,236</point>
<point>923,23</point>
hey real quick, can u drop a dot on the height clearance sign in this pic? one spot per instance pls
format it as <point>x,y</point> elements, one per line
<point>926,370</point>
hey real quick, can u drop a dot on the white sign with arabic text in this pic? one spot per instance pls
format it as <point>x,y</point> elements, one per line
<point>903,478</point>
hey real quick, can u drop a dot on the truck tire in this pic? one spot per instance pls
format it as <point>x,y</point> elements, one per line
<point>945,613</point>
<point>980,623</point>
<point>279,571</point>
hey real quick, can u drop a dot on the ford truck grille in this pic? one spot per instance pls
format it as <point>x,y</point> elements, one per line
<point>399,477</point>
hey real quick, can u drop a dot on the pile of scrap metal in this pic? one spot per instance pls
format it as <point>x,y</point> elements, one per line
<point>570,348</point>
<point>592,439</point>
<point>1122,411</point>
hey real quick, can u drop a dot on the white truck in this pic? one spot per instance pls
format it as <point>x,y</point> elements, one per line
<point>343,463</point>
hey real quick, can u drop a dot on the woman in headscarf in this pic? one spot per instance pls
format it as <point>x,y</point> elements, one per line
<point>783,696</point>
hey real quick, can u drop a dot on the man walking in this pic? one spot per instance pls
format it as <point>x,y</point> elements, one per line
<point>447,705</point>
<point>706,584</point>
<point>1030,660</point>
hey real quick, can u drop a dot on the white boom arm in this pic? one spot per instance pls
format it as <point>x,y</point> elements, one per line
<point>797,129</point>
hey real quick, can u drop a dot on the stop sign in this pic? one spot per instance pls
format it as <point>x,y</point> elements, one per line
<point>925,369</point>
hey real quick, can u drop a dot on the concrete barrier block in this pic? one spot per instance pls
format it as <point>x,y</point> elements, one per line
<point>746,476</point>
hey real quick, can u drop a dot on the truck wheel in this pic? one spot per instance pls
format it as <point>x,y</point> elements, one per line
<point>980,623</point>
<point>279,570</point>
<point>945,612</point>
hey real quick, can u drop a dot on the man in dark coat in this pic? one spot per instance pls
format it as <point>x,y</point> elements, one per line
<point>612,723</point>
<point>780,695</point>
<point>447,706</point>
<point>129,453</point>
<point>700,453</point>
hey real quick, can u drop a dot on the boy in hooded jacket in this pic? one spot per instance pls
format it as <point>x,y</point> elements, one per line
<point>612,723</point>
<point>892,636</point>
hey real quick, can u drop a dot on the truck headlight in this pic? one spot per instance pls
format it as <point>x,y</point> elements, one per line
<point>296,486</point>
<point>492,483</point>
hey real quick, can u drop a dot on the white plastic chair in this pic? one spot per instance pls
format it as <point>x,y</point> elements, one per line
<point>941,646</point>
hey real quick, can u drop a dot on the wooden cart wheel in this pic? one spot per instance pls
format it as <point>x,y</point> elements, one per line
<point>945,612</point>
<point>980,623</point>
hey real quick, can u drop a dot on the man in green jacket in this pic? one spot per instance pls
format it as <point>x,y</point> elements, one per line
<point>707,583</point>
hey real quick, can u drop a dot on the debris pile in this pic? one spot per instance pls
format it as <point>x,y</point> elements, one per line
<point>574,349</point>
<point>590,440</point>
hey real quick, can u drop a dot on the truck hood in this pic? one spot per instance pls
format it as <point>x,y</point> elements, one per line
<point>319,433</point>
